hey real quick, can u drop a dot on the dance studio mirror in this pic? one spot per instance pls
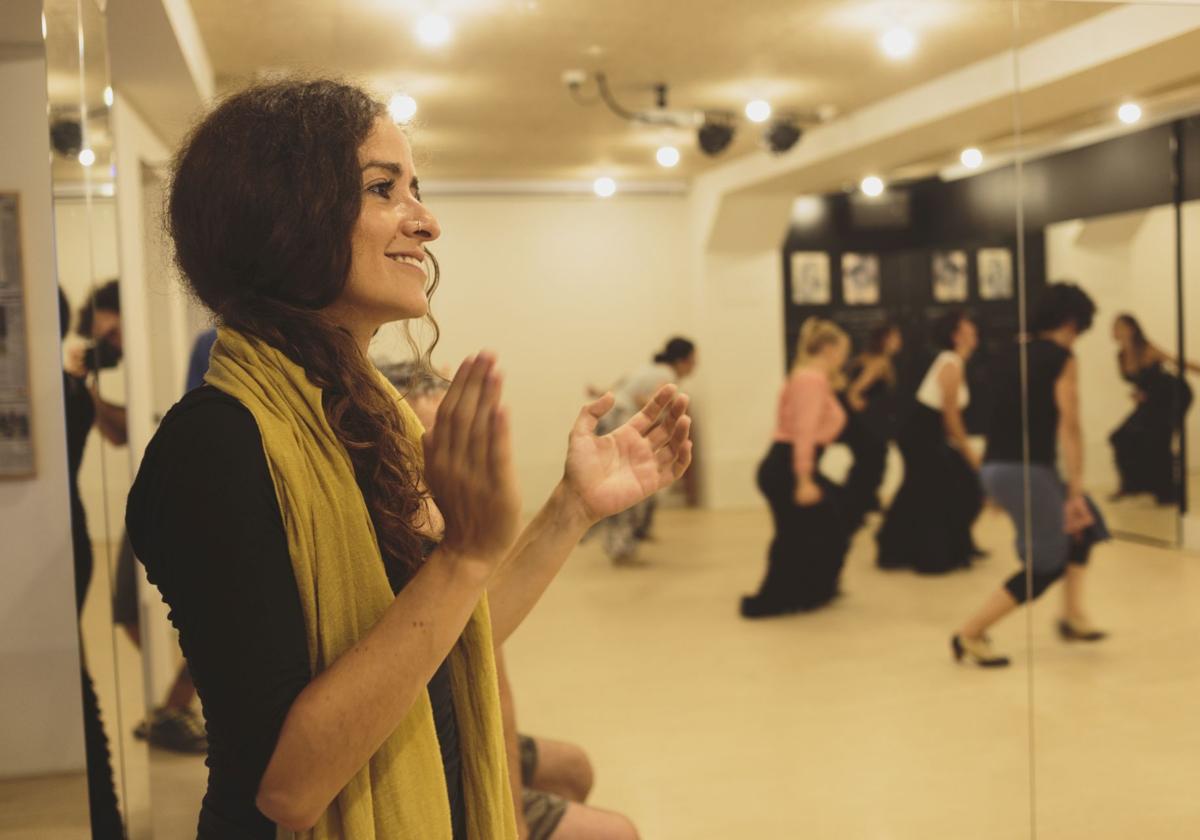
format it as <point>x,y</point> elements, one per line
<point>753,657</point>
<point>1109,202</point>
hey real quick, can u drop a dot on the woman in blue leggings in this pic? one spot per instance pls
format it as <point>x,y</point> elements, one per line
<point>1062,526</point>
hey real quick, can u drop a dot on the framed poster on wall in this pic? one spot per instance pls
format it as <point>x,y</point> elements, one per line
<point>950,276</point>
<point>811,285</point>
<point>860,279</point>
<point>16,421</point>
<point>995,273</point>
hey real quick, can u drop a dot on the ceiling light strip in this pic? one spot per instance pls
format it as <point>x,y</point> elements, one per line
<point>537,187</point>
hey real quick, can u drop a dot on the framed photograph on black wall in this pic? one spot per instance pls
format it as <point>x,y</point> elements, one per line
<point>995,273</point>
<point>949,276</point>
<point>860,279</point>
<point>811,283</point>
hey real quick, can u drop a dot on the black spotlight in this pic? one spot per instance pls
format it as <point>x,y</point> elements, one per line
<point>782,135</point>
<point>714,137</point>
<point>66,136</point>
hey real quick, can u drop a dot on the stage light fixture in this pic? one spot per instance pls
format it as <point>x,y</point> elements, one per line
<point>782,135</point>
<point>714,137</point>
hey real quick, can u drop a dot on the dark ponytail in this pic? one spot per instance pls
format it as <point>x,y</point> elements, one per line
<point>677,350</point>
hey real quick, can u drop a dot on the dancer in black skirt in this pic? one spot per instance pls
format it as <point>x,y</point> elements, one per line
<point>805,560</point>
<point>870,399</point>
<point>1142,444</point>
<point>928,526</point>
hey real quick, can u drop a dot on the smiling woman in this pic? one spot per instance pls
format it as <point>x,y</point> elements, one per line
<point>339,580</point>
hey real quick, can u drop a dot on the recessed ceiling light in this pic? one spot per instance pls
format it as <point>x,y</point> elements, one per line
<point>898,43</point>
<point>108,96</point>
<point>971,158</point>
<point>434,30</point>
<point>87,157</point>
<point>605,187</point>
<point>402,107</point>
<point>1129,113</point>
<point>667,156</point>
<point>872,185</point>
<point>807,209</point>
<point>758,111</point>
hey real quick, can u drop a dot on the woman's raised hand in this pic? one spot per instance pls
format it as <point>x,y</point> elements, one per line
<point>468,464</point>
<point>610,473</point>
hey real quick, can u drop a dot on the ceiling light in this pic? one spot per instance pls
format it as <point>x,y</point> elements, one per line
<point>872,185</point>
<point>87,157</point>
<point>667,156</point>
<point>782,135</point>
<point>108,96</point>
<point>402,107</point>
<point>433,30</point>
<point>898,43</point>
<point>714,137</point>
<point>758,111</point>
<point>971,158</point>
<point>605,187</point>
<point>808,209</point>
<point>1129,113</point>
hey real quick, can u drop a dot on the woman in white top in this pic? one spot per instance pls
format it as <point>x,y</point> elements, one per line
<point>623,532</point>
<point>928,527</point>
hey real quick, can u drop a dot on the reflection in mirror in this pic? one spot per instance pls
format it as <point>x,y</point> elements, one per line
<point>86,243</point>
<point>1108,194</point>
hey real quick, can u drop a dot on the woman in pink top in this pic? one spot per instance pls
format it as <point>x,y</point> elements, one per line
<point>806,554</point>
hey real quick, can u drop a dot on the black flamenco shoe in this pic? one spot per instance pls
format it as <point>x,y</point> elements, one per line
<point>979,651</point>
<point>1072,632</point>
<point>756,606</point>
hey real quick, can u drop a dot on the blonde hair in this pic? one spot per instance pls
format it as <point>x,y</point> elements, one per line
<point>815,335</point>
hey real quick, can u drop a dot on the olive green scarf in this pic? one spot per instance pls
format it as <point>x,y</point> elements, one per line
<point>401,793</point>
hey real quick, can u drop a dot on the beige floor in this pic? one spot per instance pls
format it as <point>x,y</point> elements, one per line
<point>846,724</point>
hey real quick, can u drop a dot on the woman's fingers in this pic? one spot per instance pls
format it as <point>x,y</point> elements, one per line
<point>589,416</point>
<point>500,449</point>
<point>669,452</point>
<point>645,419</point>
<point>665,428</point>
<point>480,437</point>
<point>675,469</point>
<point>450,401</point>
<point>468,403</point>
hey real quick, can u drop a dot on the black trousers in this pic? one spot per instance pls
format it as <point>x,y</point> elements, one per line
<point>805,558</point>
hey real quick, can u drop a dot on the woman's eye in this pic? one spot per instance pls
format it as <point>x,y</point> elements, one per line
<point>383,189</point>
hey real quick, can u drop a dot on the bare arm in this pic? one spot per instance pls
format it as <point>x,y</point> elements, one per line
<point>868,376</point>
<point>603,476</point>
<point>1070,432</point>
<point>110,418</point>
<point>950,378</point>
<point>343,716</point>
<point>1157,354</point>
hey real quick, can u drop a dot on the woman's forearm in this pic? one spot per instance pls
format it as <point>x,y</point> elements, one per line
<point>346,713</point>
<point>956,429</point>
<point>1072,444</point>
<point>534,560</point>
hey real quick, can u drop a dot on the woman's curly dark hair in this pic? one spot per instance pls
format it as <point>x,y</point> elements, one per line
<point>265,196</point>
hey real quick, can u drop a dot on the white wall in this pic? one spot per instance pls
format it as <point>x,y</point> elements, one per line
<point>567,291</point>
<point>41,727</point>
<point>1127,263</point>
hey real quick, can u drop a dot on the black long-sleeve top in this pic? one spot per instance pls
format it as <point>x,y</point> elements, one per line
<point>204,520</point>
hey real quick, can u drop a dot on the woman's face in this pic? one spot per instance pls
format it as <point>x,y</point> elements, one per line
<point>684,367</point>
<point>837,353</point>
<point>894,343</point>
<point>966,339</point>
<point>388,261</point>
<point>1122,334</point>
